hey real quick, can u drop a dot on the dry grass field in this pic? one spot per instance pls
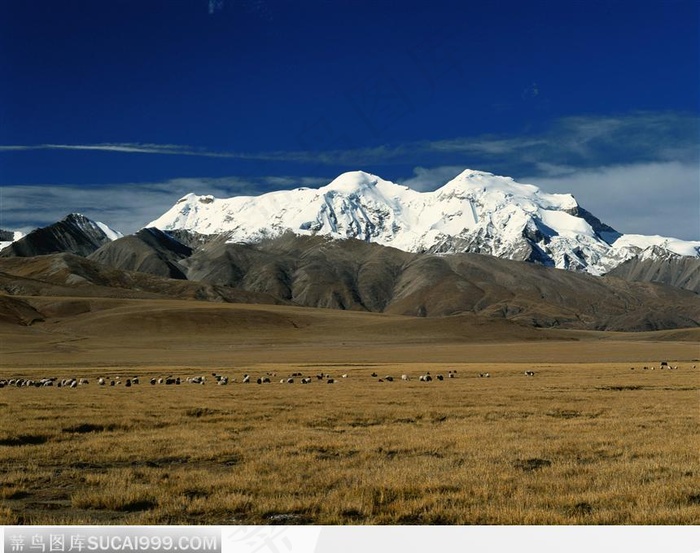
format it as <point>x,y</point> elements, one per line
<point>586,440</point>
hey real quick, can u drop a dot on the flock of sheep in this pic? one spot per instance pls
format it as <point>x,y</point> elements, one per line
<point>247,379</point>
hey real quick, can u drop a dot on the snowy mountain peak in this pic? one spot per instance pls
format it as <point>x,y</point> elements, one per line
<point>74,233</point>
<point>474,212</point>
<point>498,188</point>
<point>351,182</point>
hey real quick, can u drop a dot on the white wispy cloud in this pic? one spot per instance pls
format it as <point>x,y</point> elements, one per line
<point>582,141</point>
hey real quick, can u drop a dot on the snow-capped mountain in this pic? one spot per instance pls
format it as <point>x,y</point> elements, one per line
<point>75,233</point>
<point>475,212</point>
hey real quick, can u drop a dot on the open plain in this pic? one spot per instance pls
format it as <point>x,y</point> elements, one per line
<point>592,438</point>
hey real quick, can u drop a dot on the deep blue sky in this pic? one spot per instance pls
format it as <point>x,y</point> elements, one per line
<point>238,94</point>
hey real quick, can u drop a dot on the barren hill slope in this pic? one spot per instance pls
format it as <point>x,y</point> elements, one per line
<point>353,275</point>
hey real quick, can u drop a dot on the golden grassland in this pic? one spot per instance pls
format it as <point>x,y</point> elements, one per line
<point>579,443</point>
<point>585,441</point>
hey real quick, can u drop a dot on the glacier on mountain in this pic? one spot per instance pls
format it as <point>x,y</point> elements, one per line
<point>475,212</point>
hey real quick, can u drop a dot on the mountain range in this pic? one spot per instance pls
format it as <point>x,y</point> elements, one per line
<point>476,212</point>
<point>337,247</point>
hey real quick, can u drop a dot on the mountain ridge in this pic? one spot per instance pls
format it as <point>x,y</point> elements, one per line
<point>315,271</point>
<point>475,212</point>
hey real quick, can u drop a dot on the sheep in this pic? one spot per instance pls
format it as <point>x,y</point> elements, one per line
<point>246,379</point>
<point>345,375</point>
<point>330,381</point>
<point>83,381</point>
<point>374,375</point>
<point>529,373</point>
<point>128,383</point>
<point>101,381</point>
<point>405,377</point>
<point>389,378</point>
<point>450,374</point>
<point>306,380</point>
<point>290,381</point>
<point>153,381</point>
<point>439,377</point>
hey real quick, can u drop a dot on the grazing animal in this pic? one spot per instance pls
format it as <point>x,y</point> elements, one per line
<point>246,379</point>
<point>389,378</point>
<point>374,375</point>
<point>306,380</point>
<point>450,375</point>
<point>128,383</point>
<point>529,373</point>
<point>259,381</point>
<point>135,380</point>
<point>439,377</point>
<point>290,381</point>
<point>153,381</point>
<point>101,381</point>
<point>330,381</point>
<point>345,375</point>
<point>405,377</point>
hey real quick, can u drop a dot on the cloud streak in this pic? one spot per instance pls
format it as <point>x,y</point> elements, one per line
<point>588,141</point>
